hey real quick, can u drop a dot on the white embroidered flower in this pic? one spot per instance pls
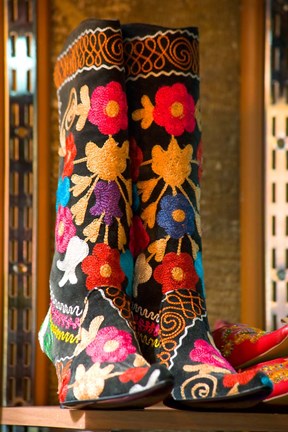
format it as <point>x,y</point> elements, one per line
<point>77,250</point>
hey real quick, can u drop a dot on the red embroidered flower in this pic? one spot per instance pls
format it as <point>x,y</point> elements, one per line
<point>139,238</point>
<point>71,152</point>
<point>109,108</point>
<point>133,374</point>
<point>111,345</point>
<point>176,272</point>
<point>174,109</point>
<point>64,229</point>
<point>242,378</point>
<point>103,267</point>
<point>136,156</point>
<point>64,376</point>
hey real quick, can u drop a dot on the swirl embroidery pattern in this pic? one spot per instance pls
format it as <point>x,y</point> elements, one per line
<point>93,49</point>
<point>156,54</point>
<point>180,311</point>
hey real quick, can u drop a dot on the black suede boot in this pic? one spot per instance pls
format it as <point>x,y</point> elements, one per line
<point>88,332</point>
<point>162,84</point>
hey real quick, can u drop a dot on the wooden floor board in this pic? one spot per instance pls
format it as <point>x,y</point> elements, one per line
<point>154,418</point>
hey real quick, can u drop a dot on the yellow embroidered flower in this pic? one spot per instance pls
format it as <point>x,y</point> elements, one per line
<point>144,114</point>
<point>109,161</point>
<point>173,164</point>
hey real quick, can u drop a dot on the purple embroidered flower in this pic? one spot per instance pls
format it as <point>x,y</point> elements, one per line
<point>107,197</point>
<point>176,216</point>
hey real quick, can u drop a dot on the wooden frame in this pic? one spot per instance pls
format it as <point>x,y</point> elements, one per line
<point>2,159</point>
<point>252,162</point>
<point>44,208</point>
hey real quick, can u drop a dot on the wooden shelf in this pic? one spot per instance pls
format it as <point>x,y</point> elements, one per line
<point>155,418</point>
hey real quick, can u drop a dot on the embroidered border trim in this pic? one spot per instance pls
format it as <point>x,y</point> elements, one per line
<point>93,49</point>
<point>162,53</point>
<point>63,336</point>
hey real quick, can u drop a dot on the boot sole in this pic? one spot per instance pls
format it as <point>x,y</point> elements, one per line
<point>237,402</point>
<point>137,400</point>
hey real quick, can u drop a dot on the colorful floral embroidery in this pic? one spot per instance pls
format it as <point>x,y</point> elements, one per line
<point>176,216</point>
<point>103,267</point>
<point>111,344</point>
<point>176,272</point>
<point>70,155</point>
<point>204,352</point>
<point>109,108</point>
<point>64,229</point>
<point>107,201</point>
<point>63,192</point>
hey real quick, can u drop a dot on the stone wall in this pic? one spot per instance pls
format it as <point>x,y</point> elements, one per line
<point>218,23</point>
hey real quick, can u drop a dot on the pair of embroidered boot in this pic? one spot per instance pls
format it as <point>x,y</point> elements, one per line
<point>128,227</point>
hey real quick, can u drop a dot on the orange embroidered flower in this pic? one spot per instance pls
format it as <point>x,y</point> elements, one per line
<point>103,267</point>
<point>109,108</point>
<point>176,272</point>
<point>70,155</point>
<point>242,378</point>
<point>133,374</point>
<point>174,109</point>
<point>64,376</point>
<point>173,164</point>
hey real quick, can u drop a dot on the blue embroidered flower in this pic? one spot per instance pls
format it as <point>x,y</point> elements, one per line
<point>176,216</point>
<point>127,265</point>
<point>63,192</point>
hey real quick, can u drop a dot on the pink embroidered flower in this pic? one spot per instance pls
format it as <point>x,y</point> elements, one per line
<point>176,272</point>
<point>64,229</point>
<point>109,108</point>
<point>111,345</point>
<point>174,109</point>
<point>103,267</point>
<point>204,352</point>
<point>136,156</point>
<point>133,374</point>
<point>70,155</point>
<point>139,238</point>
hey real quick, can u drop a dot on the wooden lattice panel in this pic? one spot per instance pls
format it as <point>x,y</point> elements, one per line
<point>276,178</point>
<point>20,205</point>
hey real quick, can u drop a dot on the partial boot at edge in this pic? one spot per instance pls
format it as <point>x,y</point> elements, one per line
<point>88,332</point>
<point>162,82</point>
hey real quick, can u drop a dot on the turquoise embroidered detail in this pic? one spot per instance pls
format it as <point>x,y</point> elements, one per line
<point>127,265</point>
<point>63,192</point>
